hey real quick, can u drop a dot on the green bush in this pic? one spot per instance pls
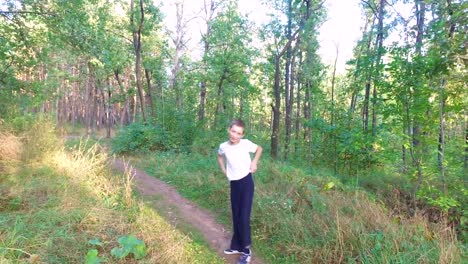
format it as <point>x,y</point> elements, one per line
<point>39,135</point>
<point>138,137</point>
<point>21,124</point>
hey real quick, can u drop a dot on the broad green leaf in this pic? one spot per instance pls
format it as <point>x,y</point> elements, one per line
<point>92,257</point>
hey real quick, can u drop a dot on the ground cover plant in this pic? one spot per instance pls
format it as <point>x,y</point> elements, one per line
<point>310,218</point>
<point>65,205</point>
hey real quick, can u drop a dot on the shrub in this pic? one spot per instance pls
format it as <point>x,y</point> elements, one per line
<point>138,137</point>
<point>10,146</point>
<point>40,138</point>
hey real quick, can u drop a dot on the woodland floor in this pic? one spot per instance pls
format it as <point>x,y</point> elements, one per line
<point>180,211</point>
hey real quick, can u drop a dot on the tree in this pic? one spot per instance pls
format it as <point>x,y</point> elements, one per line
<point>302,13</point>
<point>210,9</point>
<point>137,18</point>
<point>229,61</point>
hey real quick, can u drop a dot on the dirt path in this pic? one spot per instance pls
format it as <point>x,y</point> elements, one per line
<point>183,211</point>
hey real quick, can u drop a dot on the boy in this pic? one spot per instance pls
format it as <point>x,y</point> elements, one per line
<point>235,162</point>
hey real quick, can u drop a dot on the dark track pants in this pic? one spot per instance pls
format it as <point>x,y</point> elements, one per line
<point>242,192</point>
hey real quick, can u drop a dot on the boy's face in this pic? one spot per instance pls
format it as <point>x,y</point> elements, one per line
<point>235,134</point>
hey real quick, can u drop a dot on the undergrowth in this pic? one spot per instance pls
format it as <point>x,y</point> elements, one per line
<point>53,202</point>
<point>300,217</point>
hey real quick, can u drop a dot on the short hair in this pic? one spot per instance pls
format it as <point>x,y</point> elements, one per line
<point>237,122</point>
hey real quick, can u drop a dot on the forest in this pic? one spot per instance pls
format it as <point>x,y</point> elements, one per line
<point>393,125</point>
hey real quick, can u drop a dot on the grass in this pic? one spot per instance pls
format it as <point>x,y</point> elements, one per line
<point>54,201</point>
<point>299,217</point>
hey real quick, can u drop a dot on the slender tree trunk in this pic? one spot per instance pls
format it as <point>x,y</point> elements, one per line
<point>178,43</point>
<point>276,110</point>
<point>277,91</point>
<point>288,83</point>
<point>332,121</point>
<point>105,117</point>
<point>150,94</point>
<point>136,32</point>
<point>110,121</point>
<point>355,89</point>
<point>91,101</point>
<point>442,99</point>
<point>377,74</point>
<point>125,116</point>
<point>209,13</point>
<point>219,99</point>
<point>298,106</point>
<point>417,152</point>
<point>466,147</point>
<point>297,125</point>
<point>307,117</point>
<point>365,107</point>
<point>441,145</point>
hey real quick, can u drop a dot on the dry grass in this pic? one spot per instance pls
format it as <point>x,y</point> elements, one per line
<point>69,197</point>
<point>167,244</point>
<point>89,166</point>
<point>10,147</point>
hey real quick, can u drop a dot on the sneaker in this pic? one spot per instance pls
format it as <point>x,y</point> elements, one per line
<point>245,258</point>
<point>231,251</point>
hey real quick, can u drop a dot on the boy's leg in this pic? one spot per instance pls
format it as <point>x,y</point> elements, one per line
<point>235,210</point>
<point>246,199</point>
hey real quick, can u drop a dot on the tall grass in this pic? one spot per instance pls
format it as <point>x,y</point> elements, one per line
<point>52,204</point>
<point>10,146</point>
<point>300,217</point>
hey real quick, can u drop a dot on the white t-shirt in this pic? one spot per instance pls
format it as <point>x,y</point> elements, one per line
<point>237,158</point>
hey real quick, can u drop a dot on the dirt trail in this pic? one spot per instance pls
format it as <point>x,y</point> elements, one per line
<point>214,234</point>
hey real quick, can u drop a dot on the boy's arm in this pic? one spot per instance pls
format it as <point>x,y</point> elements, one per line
<point>258,154</point>
<point>221,163</point>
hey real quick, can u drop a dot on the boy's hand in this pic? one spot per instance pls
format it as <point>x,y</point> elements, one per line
<point>253,167</point>
<point>253,164</point>
<point>221,164</point>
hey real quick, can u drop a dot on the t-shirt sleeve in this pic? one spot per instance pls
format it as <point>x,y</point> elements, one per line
<point>251,147</point>
<point>220,150</point>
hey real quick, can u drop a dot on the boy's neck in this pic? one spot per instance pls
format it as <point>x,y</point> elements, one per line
<point>234,143</point>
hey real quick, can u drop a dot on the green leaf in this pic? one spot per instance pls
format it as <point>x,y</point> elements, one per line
<point>92,257</point>
<point>329,186</point>
<point>130,244</point>
<point>119,253</point>
<point>139,251</point>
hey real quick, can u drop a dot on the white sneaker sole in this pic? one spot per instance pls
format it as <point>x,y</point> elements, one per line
<point>232,252</point>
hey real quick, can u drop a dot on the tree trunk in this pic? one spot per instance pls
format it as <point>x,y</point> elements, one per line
<point>150,94</point>
<point>122,93</point>
<point>209,13</point>
<point>136,32</point>
<point>219,99</point>
<point>465,167</point>
<point>276,111</point>
<point>442,99</point>
<point>417,152</point>
<point>332,121</point>
<point>354,94</point>
<point>91,101</point>
<point>298,107</point>
<point>365,107</point>
<point>307,116</point>
<point>441,144</point>
<point>376,77</point>
<point>180,45</point>
<point>288,83</point>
